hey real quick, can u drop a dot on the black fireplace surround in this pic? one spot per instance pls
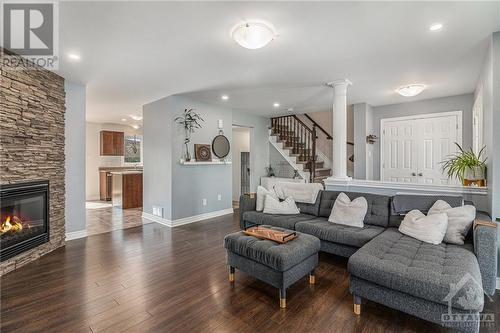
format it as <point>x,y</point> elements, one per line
<point>24,217</point>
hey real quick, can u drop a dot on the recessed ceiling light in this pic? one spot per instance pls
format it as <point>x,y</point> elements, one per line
<point>411,90</point>
<point>74,56</point>
<point>224,97</point>
<point>436,27</point>
<point>276,105</point>
<point>253,34</point>
<point>133,116</point>
<point>124,119</point>
<point>135,126</point>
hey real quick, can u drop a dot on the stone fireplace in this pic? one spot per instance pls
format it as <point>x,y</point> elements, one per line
<point>32,109</point>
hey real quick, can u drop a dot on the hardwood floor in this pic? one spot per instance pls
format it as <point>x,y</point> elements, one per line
<point>152,278</point>
<point>100,220</point>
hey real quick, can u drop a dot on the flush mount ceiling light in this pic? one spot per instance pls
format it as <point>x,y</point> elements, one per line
<point>135,126</point>
<point>411,90</point>
<point>276,105</point>
<point>136,117</point>
<point>436,27</point>
<point>253,34</point>
<point>224,97</point>
<point>124,119</point>
<point>74,56</point>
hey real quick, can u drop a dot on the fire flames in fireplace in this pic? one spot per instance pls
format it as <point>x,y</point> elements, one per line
<point>12,225</point>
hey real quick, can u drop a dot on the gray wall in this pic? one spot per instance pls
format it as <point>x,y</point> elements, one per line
<point>489,81</point>
<point>259,144</point>
<point>157,164</point>
<point>180,189</point>
<point>192,184</point>
<point>363,152</point>
<point>444,104</point>
<point>75,157</point>
<point>495,123</point>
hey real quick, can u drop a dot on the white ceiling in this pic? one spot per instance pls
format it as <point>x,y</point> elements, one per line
<point>136,52</point>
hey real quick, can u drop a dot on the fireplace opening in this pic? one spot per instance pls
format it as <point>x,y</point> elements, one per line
<point>24,217</point>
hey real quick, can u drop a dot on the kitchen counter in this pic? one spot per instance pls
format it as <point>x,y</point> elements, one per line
<point>121,168</point>
<point>127,189</point>
<point>127,172</point>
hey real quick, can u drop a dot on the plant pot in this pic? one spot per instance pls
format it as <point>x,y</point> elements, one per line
<point>474,177</point>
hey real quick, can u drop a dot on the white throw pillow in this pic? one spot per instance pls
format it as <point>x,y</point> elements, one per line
<point>459,220</point>
<point>429,229</point>
<point>273,205</point>
<point>262,192</point>
<point>347,212</point>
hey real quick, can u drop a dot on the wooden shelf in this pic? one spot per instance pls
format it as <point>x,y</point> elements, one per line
<point>182,162</point>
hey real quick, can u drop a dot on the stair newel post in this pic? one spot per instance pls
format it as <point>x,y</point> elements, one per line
<point>295,135</point>
<point>313,160</point>
<point>288,129</point>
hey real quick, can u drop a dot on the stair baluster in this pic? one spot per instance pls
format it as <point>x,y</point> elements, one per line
<point>299,139</point>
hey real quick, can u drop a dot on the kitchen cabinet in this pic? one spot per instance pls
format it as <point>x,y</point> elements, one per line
<point>127,189</point>
<point>112,143</point>
<point>105,185</point>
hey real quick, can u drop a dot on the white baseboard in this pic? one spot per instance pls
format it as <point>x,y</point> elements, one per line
<point>76,234</point>
<point>186,220</point>
<point>498,282</point>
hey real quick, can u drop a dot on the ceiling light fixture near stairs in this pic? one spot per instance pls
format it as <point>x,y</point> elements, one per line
<point>253,34</point>
<point>411,90</point>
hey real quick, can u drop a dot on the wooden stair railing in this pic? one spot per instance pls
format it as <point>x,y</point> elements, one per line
<point>298,138</point>
<point>328,136</point>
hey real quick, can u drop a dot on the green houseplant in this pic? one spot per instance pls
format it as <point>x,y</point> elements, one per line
<point>190,121</point>
<point>467,166</point>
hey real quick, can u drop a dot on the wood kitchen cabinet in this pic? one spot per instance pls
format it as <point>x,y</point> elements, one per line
<point>105,185</point>
<point>112,143</point>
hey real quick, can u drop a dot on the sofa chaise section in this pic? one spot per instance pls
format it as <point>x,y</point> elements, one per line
<point>426,280</point>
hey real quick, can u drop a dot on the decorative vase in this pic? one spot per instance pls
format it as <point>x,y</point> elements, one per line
<point>187,140</point>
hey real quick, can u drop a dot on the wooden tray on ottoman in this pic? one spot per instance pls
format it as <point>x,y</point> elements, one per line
<point>281,237</point>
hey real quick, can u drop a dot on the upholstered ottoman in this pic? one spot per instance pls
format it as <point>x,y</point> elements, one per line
<point>279,265</point>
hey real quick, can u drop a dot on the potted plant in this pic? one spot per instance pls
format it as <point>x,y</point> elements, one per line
<point>467,166</point>
<point>190,121</point>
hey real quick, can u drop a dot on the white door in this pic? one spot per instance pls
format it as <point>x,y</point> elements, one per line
<point>400,151</point>
<point>413,147</point>
<point>437,137</point>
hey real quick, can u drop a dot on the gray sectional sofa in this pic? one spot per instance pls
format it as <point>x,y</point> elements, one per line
<point>440,283</point>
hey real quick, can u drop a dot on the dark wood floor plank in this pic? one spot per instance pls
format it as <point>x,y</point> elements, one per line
<point>152,278</point>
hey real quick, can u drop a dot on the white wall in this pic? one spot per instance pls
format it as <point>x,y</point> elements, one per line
<point>240,144</point>
<point>93,158</point>
<point>75,157</point>
<point>444,104</point>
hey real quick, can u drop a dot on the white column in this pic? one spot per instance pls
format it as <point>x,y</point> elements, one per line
<point>339,157</point>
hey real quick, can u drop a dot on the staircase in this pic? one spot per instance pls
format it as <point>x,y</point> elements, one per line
<point>297,144</point>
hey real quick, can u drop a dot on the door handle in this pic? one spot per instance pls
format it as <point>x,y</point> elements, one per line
<point>420,174</point>
<point>413,174</point>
